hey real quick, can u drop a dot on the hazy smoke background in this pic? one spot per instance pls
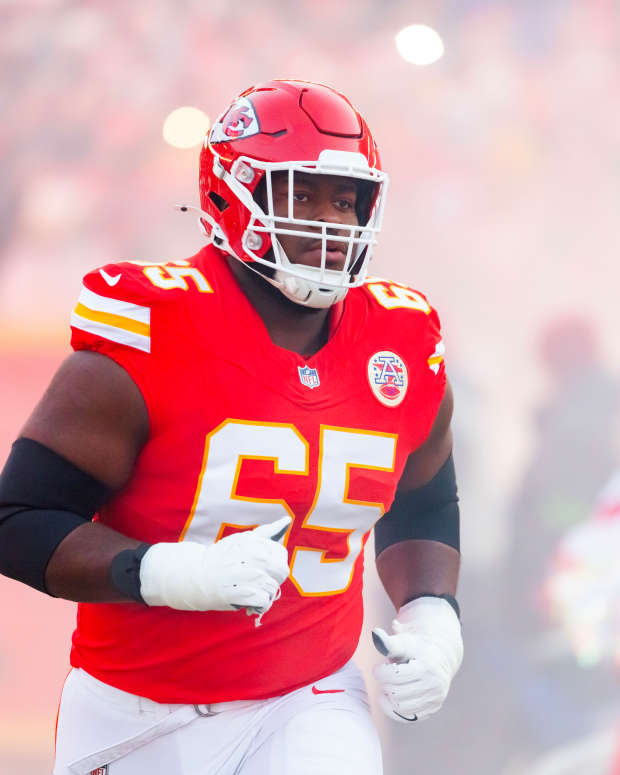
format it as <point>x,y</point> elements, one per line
<point>504,157</point>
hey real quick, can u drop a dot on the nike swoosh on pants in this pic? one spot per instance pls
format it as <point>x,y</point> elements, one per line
<point>325,691</point>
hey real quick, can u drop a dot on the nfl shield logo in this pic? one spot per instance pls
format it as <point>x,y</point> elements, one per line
<point>100,770</point>
<point>308,377</point>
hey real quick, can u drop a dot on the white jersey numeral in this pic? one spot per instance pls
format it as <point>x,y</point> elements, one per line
<point>169,277</point>
<point>333,509</point>
<point>217,503</point>
<point>398,297</point>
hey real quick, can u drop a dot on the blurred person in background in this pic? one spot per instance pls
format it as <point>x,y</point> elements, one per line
<point>225,435</point>
<point>574,453</point>
<point>582,598</point>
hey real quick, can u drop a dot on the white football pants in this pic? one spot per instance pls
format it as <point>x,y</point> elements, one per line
<point>321,729</point>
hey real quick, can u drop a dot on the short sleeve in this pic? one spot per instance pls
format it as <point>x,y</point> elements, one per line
<point>113,317</point>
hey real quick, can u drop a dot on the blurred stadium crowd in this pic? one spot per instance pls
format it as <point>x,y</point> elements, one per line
<point>504,159</point>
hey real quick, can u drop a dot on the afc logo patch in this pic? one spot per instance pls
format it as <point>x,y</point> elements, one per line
<point>308,377</point>
<point>101,770</point>
<point>387,375</point>
<point>239,121</point>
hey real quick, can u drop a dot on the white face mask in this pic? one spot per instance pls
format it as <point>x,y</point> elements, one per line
<point>311,286</point>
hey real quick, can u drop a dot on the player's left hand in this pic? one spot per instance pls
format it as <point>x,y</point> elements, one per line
<point>424,654</point>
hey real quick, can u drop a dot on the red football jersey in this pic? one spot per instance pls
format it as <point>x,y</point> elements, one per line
<point>243,432</point>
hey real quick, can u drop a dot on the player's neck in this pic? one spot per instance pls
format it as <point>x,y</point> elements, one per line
<point>303,330</point>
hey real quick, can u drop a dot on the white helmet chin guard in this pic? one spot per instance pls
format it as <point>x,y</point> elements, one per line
<point>309,291</point>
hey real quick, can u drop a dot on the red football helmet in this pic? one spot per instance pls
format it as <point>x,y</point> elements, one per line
<point>291,126</point>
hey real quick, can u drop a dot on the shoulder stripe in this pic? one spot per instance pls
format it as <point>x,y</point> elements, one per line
<point>125,309</point>
<point>434,362</point>
<point>120,335</point>
<point>119,321</point>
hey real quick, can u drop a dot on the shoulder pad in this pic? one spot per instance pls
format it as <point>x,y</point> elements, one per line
<point>398,297</point>
<point>147,281</point>
<point>116,300</point>
<point>392,295</point>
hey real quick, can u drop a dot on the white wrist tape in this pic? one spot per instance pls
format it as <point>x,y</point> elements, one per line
<point>241,570</point>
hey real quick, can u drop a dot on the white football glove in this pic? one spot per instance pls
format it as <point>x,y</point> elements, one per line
<point>424,654</point>
<point>242,570</point>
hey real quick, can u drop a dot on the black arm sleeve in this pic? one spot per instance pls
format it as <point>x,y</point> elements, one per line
<point>43,498</point>
<point>429,512</point>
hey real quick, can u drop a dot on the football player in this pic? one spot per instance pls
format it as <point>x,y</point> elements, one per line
<point>204,470</point>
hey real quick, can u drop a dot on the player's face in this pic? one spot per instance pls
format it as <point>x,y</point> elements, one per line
<point>327,198</point>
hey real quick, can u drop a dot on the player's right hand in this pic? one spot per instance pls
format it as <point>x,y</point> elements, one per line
<point>242,570</point>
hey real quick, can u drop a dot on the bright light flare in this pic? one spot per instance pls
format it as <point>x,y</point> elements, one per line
<point>419,44</point>
<point>185,127</point>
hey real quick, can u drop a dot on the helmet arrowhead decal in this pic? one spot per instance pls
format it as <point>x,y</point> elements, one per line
<point>237,122</point>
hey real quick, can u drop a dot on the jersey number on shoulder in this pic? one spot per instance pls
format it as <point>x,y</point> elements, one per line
<point>175,275</point>
<point>392,296</point>
<point>340,449</point>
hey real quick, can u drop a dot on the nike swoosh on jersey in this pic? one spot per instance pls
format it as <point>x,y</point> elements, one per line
<point>110,280</point>
<point>325,691</point>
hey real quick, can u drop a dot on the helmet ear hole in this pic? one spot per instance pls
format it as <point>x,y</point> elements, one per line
<point>218,201</point>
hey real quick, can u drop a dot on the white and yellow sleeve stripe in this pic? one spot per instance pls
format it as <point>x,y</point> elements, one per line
<point>119,321</point>
<point>434,362</point>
